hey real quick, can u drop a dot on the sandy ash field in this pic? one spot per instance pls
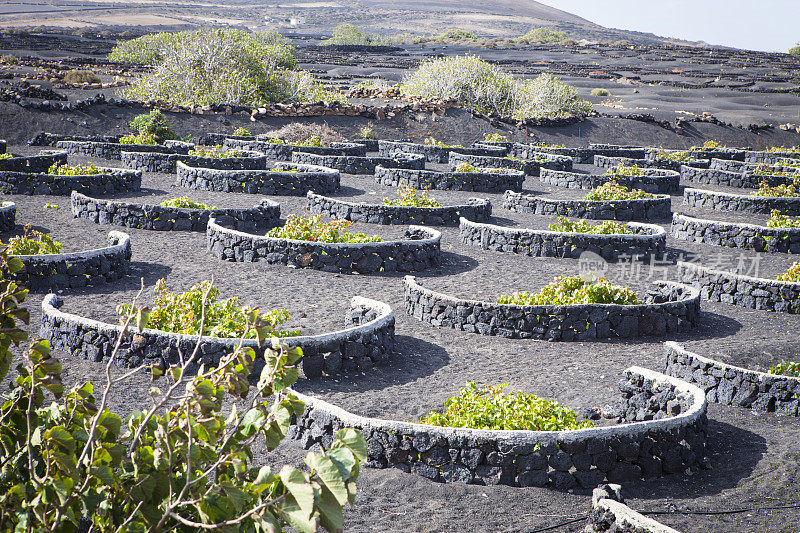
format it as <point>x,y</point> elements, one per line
<point>754,457</point>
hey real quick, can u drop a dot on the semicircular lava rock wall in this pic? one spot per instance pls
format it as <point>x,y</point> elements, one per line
<point>481,181</point>
<point>437,154</point>
<point>645,209</point>
<point>736,235</point>
<point>360,165</point>
<point>269,182</point>
<point>726,201</point>
<point>653,180</point>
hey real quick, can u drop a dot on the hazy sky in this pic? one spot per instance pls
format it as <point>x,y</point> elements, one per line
<point>770,25</point>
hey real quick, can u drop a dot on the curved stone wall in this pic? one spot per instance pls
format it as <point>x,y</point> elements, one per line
<point>283,152</point>
<point>649,239</point>
<point>654,180</point>
<point>671,308</point>
<point>647,209</point>
<point>156,217</point>
<point>108,150</point>
<point>579,155</point>
<point>33,164</point>
<point>740,202</point>
<point>161,162</point>
<point>603,161</point>
<point>44,138</point>
<point>111,181</point>
<point>530,168</point>
<point>717,153</point>
<point>367,340</point>
<point>733,385</point>
<point>77,269</point>
<point>269,182</point>
<point>8,217</point>
<point>610,514</point>
<point>730,165</point>
<point>727,178</point>
<point>736,235</point>
<point>353,164</point>
<point>478,209</point>
<point>768,157</point>
<point>740,290</point>
<point>453,181</point>
<point>419,251</point>
<point>437,154</point>
<point>664,432</point>
<point>371,144</point>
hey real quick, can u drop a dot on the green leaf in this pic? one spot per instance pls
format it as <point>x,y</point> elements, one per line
<point>237,496</point>
<point>330,512</point>
<point>111,422</point>
<point>264,476</point>
<point>354,440</point>
<point>330,475</point>
<point>297,483</point>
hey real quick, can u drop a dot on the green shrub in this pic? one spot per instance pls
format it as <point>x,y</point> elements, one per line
<point>6,156</point>
<point>600,92</point>
<point>367,133</point>
<point>710,144</point>
<point>311,228</point>
<point>74,170</point>
<point>783,150</point>
<point>787,368</point>
<point>678,156</point>
<point>457,35</point>
<point>793,274</point>
<point>242,132</point>
<point>608,227</point>
<point>781,191</point>
<point>483,87</point>
<point>492,407</point>
<point>465,167</point>
<point>314,140</point>
<point>139,138</point>
<point>32,242</point>
<point>495,138</point>
<point>78,77</point>
<point>431,141</point>
<point>153,123</point>
<point>614,191</point>
<point>347,34</point>
<point>624,170</point>
<point>186,203</point>
<point>181,313</point>
<point>795,50</point>
<point>777,220</point>
<point>214,152</point>
<point>575,290</point>
<point>409,197</point>
<point>768,170</point>
<point>543,36</point>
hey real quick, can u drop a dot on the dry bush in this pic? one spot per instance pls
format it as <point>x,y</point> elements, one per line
<point>77,77</point>
<point>296,132</point>
<point>600,92</point>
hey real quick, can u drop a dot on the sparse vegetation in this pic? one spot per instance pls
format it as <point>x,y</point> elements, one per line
<point>608,227</point>
<point>625,170</point>
<point>78,77</point>
<point>543,36</point>
<point>409,197</point>
<point>32,242</point>
<point>139,138</point>
<point>6,156</point>
<point>614,191</point>
<point>495,138</point>
<point>347,34</point>
<point>778,191</point>
<point>74,170</point>
<point>367,132</point>
<point>795,50</point>
<point>465,167</point>
<point>575,290</point>
<point>311,228</point>
<point>299,132</point>
<point>478,85</point>
<point>456,35</point>
<point>186,203</point>
<point>777,220</point>
<point>793,274</point>
<point>242,132</point>
<point>494,407</point>
<point>787,368</point>
<point>597,91</point>
<point>768,170</point>
<point>214,152</point>
<point>432,141</point>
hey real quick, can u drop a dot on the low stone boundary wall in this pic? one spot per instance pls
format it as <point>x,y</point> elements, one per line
<point>664,433</point>
<point>437,154</point>
<point>283,152</point>
<point>529,167</point>
<point>8,217</point>
<point>671,308</point>
<point>736,235</point>
<point>646,209</point>
<point>717,153</point>
<point>371,144</point>
<point>107,150</point>
<point>733,385</point>
<point>603,161</point>
<point>212,139</point>
<point>367,339</point>
<point>111,181</point>
<point>741,179</point>
<point>725,201</point>
<point>478,209</point>
<point>768,157</point>
<point>453,181</point>
<point>77,269</point>
<point>3,146</point>
<point>740,290</point>
<point>421,250</point>
<point>579,155</point>
<point>654,180</point>
<point>44,138</point>
<point>165,163</point>
<point>159,218</point>
<point>730,165</point>
<point>610,514</point>
<point>33,164</point>
<point>649,239</point>
<point>353,164</point>
<point>269,182</point>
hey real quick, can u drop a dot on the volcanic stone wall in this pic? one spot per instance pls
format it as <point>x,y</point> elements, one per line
<point>268,182</point>
<point>733,385</point>
<point>769,157</point>
<point>77,269</point>
<point>646,209</point>
<point>664,433</point>
<point>671,308</point>
<point>530,168</point>
<point>3,146</point>
<point>160,162</point>
<point>159,218</point>
<point>717,153</point>
<point>8,216</point>
<point>44,138</point>
<point>604,161</point>
<point>419,251</point>
<point>739,202</point>
<point>648,239</point>
<point>741,290</point>
<point>579,155</point>
<point>742,179</point>
<point>454,181</point>
<point>107,150</point>
<point>478,209</point>
<point>736,235</point>
<point>111,181</point>
<point>653,181</point>
<point>353,164</point>
<point>33,164</point>
<point>437,154</point>
<point>609,514</point>
<point>283,152</point>
<point>367,340</point>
